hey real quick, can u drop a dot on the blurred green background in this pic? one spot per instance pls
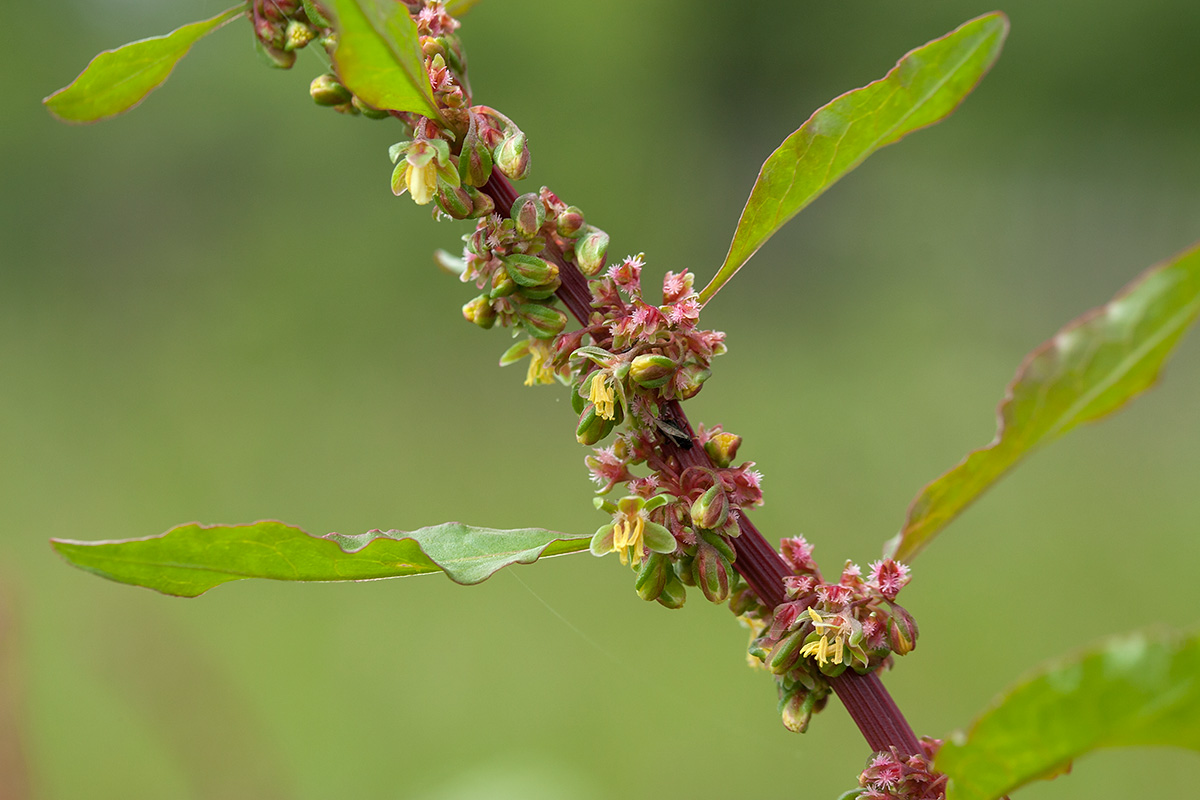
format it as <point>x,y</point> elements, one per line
<point>213,309</point>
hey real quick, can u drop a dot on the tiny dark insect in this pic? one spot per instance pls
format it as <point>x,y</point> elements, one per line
<point>672,430</point>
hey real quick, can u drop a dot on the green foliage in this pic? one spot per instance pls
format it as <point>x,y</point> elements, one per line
<point>188,560</point>
<point>117,80</point>
<point>378,56</point>
<point>1092,367</point>
<point>1137,690</point>
<point>923,88</point>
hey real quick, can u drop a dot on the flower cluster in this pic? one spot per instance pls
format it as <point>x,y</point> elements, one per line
<point>825,628</point>
<point>891,776</point>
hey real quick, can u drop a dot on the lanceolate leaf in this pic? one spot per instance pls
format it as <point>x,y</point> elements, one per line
<point>117,80</point>
<point>1090,368</point>
<point>923,88</point>
<point>1135,691</point>
<point>379,58</point>
<point>191,559</point>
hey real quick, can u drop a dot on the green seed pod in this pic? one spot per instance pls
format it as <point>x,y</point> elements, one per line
<point>326,90</point>
<point>796,709</point>
<point>786,653</point>
<point>723,547</point>
<point>502,284</point>
<point>711,509</point>
<point>722,448</point>
<point>711,571</point>
<point>512,155</point>
<point>480,312</point>
<point>542,322</point>
<point>902,631</point>
<point>528,214</point>
<point>590,251</point>
<point>592,427</point>
<point>651,370</point>
<point>453,201</point>
<point>530,271</point>
<point>483,204</point>
<point>569,222</point>
<point>673,593</point>
<point>369,111</point>
<point>653,576</point>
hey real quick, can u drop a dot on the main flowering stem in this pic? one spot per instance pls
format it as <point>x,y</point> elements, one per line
<point>868,702</point>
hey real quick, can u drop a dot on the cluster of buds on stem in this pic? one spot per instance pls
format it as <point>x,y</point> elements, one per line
<point>892,776</point>
<point>823,629</point>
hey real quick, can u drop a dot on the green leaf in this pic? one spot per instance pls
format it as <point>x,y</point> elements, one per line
<point>117,80</point>
<point>191,559</point>
<point>1133,691</point>
<point>1091,368</point>
<point>923,88</point>
<point>379,58</point>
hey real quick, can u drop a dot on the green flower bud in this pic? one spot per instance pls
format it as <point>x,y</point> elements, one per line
<point>569,222</point>
<point>796,710</point>
<point>512,155</point>
<point>326,90</point>
<point>480,312</point>
<point>475,161</point>
<point>653,576</point>
<point>483,203</point>
<point>315,15</point>
<point>711,572</point>
<point>592,427</point>
<point>274,56</point>
<point>786,653</point>
<point>529,214</point>
<point>502,284</point>
<point>651,371</point>
<point>693,379</point>
<point>722,448</point>
<point>454,201</point>
<point>719,542</point>
<point>711,509</point>
<point>673,593</point>
<point>369,111</point>
<point>590,251</point>
<point>542,322</point>
<point>902,631</point>
<point>297,35</point>
<point>530,271</point>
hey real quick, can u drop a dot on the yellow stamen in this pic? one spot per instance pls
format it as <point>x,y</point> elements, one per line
<point>538,371</point>
<point>421,182</point>
<point>602,397</point>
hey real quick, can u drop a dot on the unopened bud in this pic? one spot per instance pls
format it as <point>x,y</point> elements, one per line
<point>482,203</point>
<point>786,652</point>
<point>432,46</point>
<point>711,509</point>
<point>530,271</point>
<point>454,201</point>
<point>722,448</point>
<point>297,35</point>
<point>673,593</point>
<point>651,370</point>
<point>711,571</point>
<point>502,284</point>
<point>529,214</point>
<point>315,15</point>
<point>590,251</point>
<point>542,322</point>
<point>592,427</point>
<point>274,56</point>
<point>480,312</point>
<point>693,378</point>
<point>652,578</point>
<point>720,543</point>
<point>570,222</point>
<point>512,155</point>
<point>902,631</point>
<point>796,710</point>
<point>369,111</point>
<point>326,90</point>
<point>475,160</point>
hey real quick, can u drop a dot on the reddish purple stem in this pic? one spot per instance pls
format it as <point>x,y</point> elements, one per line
<point>868,702</point>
